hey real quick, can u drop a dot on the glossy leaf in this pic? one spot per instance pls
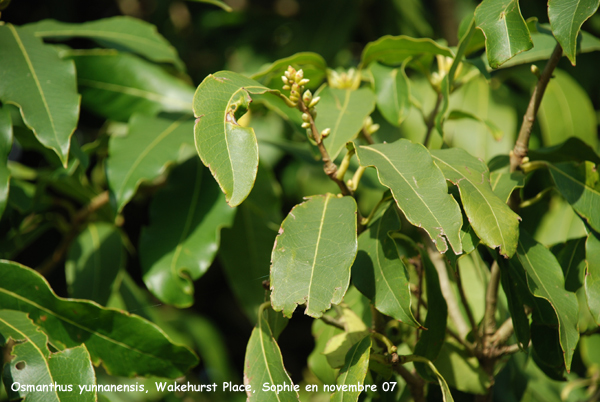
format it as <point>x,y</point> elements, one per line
<point>158,143</point>
<point>504,183</point>
<point>33,364</point>
<point>506,33</point>
<point>343,111</point>
<point>42,85</point>
<point>263,364</point>
<point>419,188</point>
<point>126,345</point>
<point>117,85</point>
<point>182,239</point>
<point>93,262</point>
<point>579,184</point>
<point>395,49</point>
<point>354,371</point>
<point>6,140</point>
<point>312,64</point>
<point>545,280</point>
<point>566,18</point>
<point>592,275</point>
<point>493,221</point>
<point>378,271</point>
<point>392,89</point>
<point>246,247</point>
<point>121,32</point>
<point>573,149</point>
<point>313,254</point>
<point>229,150</point>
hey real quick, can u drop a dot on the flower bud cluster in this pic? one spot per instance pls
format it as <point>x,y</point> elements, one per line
<point>344,80</point>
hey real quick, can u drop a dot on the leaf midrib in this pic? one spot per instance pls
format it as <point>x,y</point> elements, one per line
<point>87,33</point>
<point>573,179</point>
<point>312,272</point>
<point>264,354</point>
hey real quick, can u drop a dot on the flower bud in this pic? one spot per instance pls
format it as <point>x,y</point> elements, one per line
<point>299,75</point>
<point>305,117</point>
<point>286,87</point>
<point>284,79</point>
<point>303,81</point>
<point>325,132</point>
<point>314,102</point>
<point>305,125</point>
<point>307,97</point>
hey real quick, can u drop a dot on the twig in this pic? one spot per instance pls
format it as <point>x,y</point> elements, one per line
<point>505,351</point>
<point>467,345</point>
<point>503,333</point>
<point>465,302</point>
<point>334,322</point>
<point>491,301</point>
<point>430,123</point>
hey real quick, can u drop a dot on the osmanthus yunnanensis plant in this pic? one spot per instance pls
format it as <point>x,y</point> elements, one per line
<point>430,260</point>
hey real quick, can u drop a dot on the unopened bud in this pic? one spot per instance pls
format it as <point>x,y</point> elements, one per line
<point>305,117</point>
<point>314,102</point>
<point>325,132</point>
<point>307,97</point>
<point>535,70</point>
<point>313,113</point>
<point>305,125</point>
<point>299,75</point>
<point>284,79</point>
<point>286,87</point>
<point>303,81</point>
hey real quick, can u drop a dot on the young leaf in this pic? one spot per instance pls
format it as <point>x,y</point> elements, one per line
<point>566,18</point>
<point>6,140</point>
<point>579,184</point>
<point>592,276</point>
<point>263,364</point>
<point>93,262</point>
<point>395,49</point>
<point>506,33</point>
<point>354,371</point>
<point>182,239</point>
<point>312,64</point>
<point>378,271</point>
<point>158,142</point>
<point>118,85</point>
<point>419,188</point>
<point>229,150</point>
<point>545,280</point>
<point>392,89</point>
<point>493,221</point>
<point>42,85</point>
<point>121,32</point>
<point>504,183</point>
<point>126,345</point>
<point>313,254</point>
<point>33,364</point>
<point>343,111</point>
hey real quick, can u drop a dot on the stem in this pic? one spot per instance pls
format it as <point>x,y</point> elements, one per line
<point>366,220</point>
<point>491,301</point>
<point>465,302</point>
<point>430,123</point>
<point>538,197</point>
<point>334,322</point>
<point>391,348</point>
<point>503,333</point>
<point>345,164</point>
<point>522,145</point>
<point>368,137</point>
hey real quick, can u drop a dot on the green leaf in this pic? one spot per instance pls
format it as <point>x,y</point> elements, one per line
<point>117,85</point>
<point>378,271</point>
<point>246,247</point>
<point>506,33</point>
<point>313,65</point>
<point>6,140</point>
<point>229,150</point>
<point>42,85</point>
<point>33,364</point>
<point>579,184</point>
<point>462,370</point>
<point>566,18</point>
<point>493,221</point>
<point>592,275</point>
<point>419,188</point>
<point>263,364</point>
<point>344,112</point>
<point>504,183</point>
<point>573,149</point>
<point>338,346</point>
<point>545,280</point>
<point>313,254</point>
<point>157,143</point>
<point>395,49</point>
<point>93,262</point>
<point>121,32</point>
<point>571,257</point>
<point>317,361</point>
<point>513,290</point>
<point>182,239</point>
<point>126,345</point>
<point>392,89</point>
<point>354,371</point>
<point>559,224</point>
<point>567,111</point>
<point>217,3</point>
<point>491,127</point>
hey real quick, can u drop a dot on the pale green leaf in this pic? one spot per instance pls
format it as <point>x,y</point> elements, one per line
<point>493,221</point>
<point>229,150</point>
<point>559,224</point>
<point>125,344</point>
<point>592,276</point>
<point>120,32</point>
<point>506,33</point>
<point>313,254</point>
<point>313,66</point>
<point>182,239</point>
<point>157,143</point>
<point>545,280</point>
<point>337,346</point>
<point>6,140</point>
<point>419,188</point>
<point>42,85</point>
<point>492,128</point>
<point>395,49</point>
<point>354,372</point>
<point>343,111</point>
<point>462,370</point>
<point>93,262</point>
<point>317,362</point>
<point>566,18</point>
<point>392,89</point>
<point>504,183</point>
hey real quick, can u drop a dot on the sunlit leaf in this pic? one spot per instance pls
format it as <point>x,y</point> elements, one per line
<point>354,371</point>
<point>592,276</point>
<point>339,345</point>
<point>504,183</point>
<point>395,49</point>
<point>392,89</point>
<point>312,64</point>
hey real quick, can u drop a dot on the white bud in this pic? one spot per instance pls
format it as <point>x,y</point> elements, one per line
<point>314,102</point>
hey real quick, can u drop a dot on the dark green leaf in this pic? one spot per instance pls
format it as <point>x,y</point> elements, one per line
<point>504,183</point>
<point>354,371</point>
<point>546,351</point>
<point>217,3</point>
<point>506,33</point>
<point>592,276</point>
<point>566,18</point>
<point>571,257</point>
<point>126,345</point>
<point>6,140</point>
<point>513,290</point>
<point>573,149</point>
<point>313,254</point>
<point>182,239</point>
<point>42,85</point>
<point>392,89</point>
<point>419,189</point>
<point>312,64</point>
<point>395,49</point>
<point>157,143</point>
<point>93,262</point>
